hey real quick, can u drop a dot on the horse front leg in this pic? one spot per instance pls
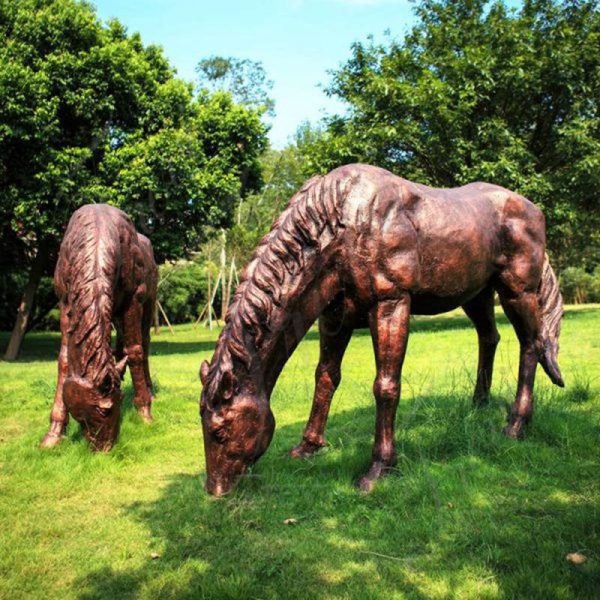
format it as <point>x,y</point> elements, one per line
<point>59,416</point>
<point>481,312</point>
<point>334,336</point>
<point>523,313</point>
<point>389,324</point>
<point>135,349</point>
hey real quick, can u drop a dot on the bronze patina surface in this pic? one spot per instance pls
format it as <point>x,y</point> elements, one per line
<point>361,246</point>
<point>105,273</point>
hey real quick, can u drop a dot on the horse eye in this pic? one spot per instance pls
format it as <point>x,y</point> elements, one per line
<point>106,385</point>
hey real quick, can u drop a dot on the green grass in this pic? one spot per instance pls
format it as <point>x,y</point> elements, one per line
<point>468,514</point>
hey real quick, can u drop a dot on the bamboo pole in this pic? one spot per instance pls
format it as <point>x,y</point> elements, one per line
<point>156,319</point>
<point>209,301</point>
<point>200,316</point>
<point>164,314</point>
<point>232,272</point>
<point>222,275</point>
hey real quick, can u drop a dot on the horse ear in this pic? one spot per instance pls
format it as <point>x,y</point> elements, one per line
<point>228,385</point>
<point>204,368</point>
<point>121,366</point>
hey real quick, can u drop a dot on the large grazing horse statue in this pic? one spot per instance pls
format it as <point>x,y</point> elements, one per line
<point>360,247</point>
<point>105,272</point>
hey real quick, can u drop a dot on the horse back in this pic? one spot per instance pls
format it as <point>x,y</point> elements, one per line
<point>442,245</point>
<point>102,239</point>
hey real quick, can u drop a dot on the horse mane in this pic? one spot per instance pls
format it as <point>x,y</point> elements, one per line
<point>294,241</point>
<point>91,258</point>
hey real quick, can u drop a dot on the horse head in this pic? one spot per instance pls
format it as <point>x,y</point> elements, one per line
<point>97,407</point>
<point>237,424</point>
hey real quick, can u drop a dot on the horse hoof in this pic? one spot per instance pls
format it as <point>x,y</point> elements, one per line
<point>51,440</point>
<point>102,447</point>
<point>144,412</point>
<point>305,449</point>
<point>513,432</point>
<point>481,401</point>
<point>365,484</point>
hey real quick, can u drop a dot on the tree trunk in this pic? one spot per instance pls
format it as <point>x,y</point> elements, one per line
<point>18,333</point>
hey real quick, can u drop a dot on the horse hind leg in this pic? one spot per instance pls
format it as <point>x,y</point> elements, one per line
<point>481,312</point>
<point>334,336</point>
<point>523,312</point>
<point>136,351</point>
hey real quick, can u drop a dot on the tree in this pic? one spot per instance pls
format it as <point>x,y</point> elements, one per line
<point>92,115</point>
<point>245,79</point>
<point>478,92</point>
<point>68,84</point>
<point>178,182</point>
<point>284,172</point>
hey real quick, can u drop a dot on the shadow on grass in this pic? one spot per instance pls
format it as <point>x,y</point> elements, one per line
<point>471,514</point>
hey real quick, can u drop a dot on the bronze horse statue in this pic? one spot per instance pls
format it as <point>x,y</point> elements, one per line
<point>361,246</point>
<point>105,273</point>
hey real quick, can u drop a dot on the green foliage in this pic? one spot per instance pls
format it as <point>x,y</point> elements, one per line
<point>94,116</point>
<point>477,92</point>
<point>575,284</point>
<point>12,282</point>
<point>467,514</point>
<point>90,114</point>
<point>595,285</point>
<point>72,87</point>
<point>245,79</point>
<point>178,181</point>
<point>284,172</point>
<point>182,290</point>
<point>578,286</point>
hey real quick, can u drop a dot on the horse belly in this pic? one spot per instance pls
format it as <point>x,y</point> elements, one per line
<point>429,304</point>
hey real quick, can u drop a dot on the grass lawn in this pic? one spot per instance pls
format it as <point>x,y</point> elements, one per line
<point>469,514</point>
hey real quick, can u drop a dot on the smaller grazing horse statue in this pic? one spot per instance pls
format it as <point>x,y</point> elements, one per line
<point>105,273</point>
<point>362,247</point>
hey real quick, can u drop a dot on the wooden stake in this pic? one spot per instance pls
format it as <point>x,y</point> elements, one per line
<point>210,303</point>
<point>200,316</point>
<point>156,319</point>
<point>164,314</point>
<point>223,276</point>
<point>232,271</point>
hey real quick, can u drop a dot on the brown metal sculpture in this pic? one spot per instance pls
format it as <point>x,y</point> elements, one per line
<point>361,247</point>
<point>105,273</point>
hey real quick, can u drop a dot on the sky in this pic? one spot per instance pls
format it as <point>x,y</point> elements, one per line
<point>297,41</point>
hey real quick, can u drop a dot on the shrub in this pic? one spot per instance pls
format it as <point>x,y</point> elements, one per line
<point>576,284</point>
<point>182,290</point>
<point>595,285</point>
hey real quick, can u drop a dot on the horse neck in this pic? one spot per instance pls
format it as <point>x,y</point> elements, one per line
<point>288,283</point>
<point>288,325</point>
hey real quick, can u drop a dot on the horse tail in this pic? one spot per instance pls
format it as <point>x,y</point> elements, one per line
<point>551,311</point>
